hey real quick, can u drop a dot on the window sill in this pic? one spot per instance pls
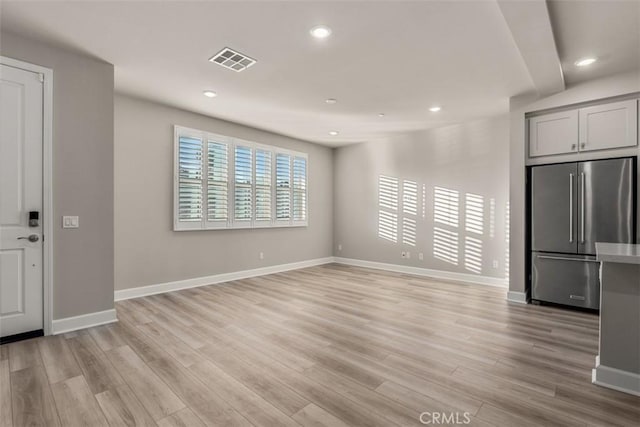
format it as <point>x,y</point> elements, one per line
<point>243,227</point>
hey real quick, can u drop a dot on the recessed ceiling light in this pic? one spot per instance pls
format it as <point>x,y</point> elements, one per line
<point>435,109</point>
<point>380,114</point>
<point>320,32</point>
<point>331,100</point>
<point>333,132</point>
<point>210,93</point>
<point>585,61</point>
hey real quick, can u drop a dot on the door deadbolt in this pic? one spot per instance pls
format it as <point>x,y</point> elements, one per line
<point>34,218</point>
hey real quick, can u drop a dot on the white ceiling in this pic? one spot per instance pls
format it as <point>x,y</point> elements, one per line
<point>395,57</point>
<point>608,30</point>
<point>531,29</point>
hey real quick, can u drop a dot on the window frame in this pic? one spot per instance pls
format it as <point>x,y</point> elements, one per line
<point>230,222</point>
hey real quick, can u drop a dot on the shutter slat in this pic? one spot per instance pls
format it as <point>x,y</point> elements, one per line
<point>217,181</point>
<point>299,189</point>
<point>263,185</point>
<point>243,204</point>
<point>190,166</point>
<point>283,186</point>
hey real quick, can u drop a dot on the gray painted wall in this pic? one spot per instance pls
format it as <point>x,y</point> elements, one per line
<point>467,158</point>
<point>519,105</point>
<point>82,174</point>
<point>148,251</point>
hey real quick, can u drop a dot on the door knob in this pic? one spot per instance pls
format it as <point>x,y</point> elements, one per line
<point>32,238</point>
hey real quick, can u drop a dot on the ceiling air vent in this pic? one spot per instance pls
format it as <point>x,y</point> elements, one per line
<point>232,60</point>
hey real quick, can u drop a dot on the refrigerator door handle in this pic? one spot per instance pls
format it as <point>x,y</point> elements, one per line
<point>560,258</point>
<point>571,208</point>
<point>582,193</point>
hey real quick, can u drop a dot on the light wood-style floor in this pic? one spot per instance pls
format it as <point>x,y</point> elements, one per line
<point>330,345</point>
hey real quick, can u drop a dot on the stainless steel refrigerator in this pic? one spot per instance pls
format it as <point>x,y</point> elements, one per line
<point>573,206</point>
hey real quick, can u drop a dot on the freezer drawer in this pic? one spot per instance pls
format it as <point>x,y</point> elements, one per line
<point>566,279</point>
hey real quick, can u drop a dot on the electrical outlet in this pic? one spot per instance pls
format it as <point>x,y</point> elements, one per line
<point>408,255</point>
<point>339,246</point>
<point>261,255</point>
<point>421,256</point>
<point>495,263</point>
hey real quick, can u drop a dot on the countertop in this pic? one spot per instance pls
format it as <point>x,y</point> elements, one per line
<point>618,252</point>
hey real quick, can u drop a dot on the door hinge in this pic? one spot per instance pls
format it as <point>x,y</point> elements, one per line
<point>41,77</point>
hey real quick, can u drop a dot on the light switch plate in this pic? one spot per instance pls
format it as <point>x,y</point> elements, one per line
<point>70,222</point>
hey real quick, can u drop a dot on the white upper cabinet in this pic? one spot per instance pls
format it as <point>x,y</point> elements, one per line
<point>600,127</point>
<point>555,133</point>
<point>608,126</point>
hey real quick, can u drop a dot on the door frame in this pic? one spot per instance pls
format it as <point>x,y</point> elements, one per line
<point>47,184</point>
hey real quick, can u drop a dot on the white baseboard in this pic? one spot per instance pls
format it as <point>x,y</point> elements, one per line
<point>161,288</point>
<point>517,297</point>
<point>418,271</point>
<point>626,382</point>
<point>68,324</point>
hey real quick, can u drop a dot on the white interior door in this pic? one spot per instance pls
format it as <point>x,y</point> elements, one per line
<point>21,137</point>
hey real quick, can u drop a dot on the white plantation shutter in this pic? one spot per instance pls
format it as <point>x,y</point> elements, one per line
<point>243,182</point>
<point>222,182</point>
<point>263,185</point>
<point>283,187</point>
<point>217,181</point>
<point>190,172</point>
<point>299,189</point>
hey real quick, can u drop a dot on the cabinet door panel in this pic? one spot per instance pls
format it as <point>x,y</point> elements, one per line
<point>609,126</point>
<point>555,133</point>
